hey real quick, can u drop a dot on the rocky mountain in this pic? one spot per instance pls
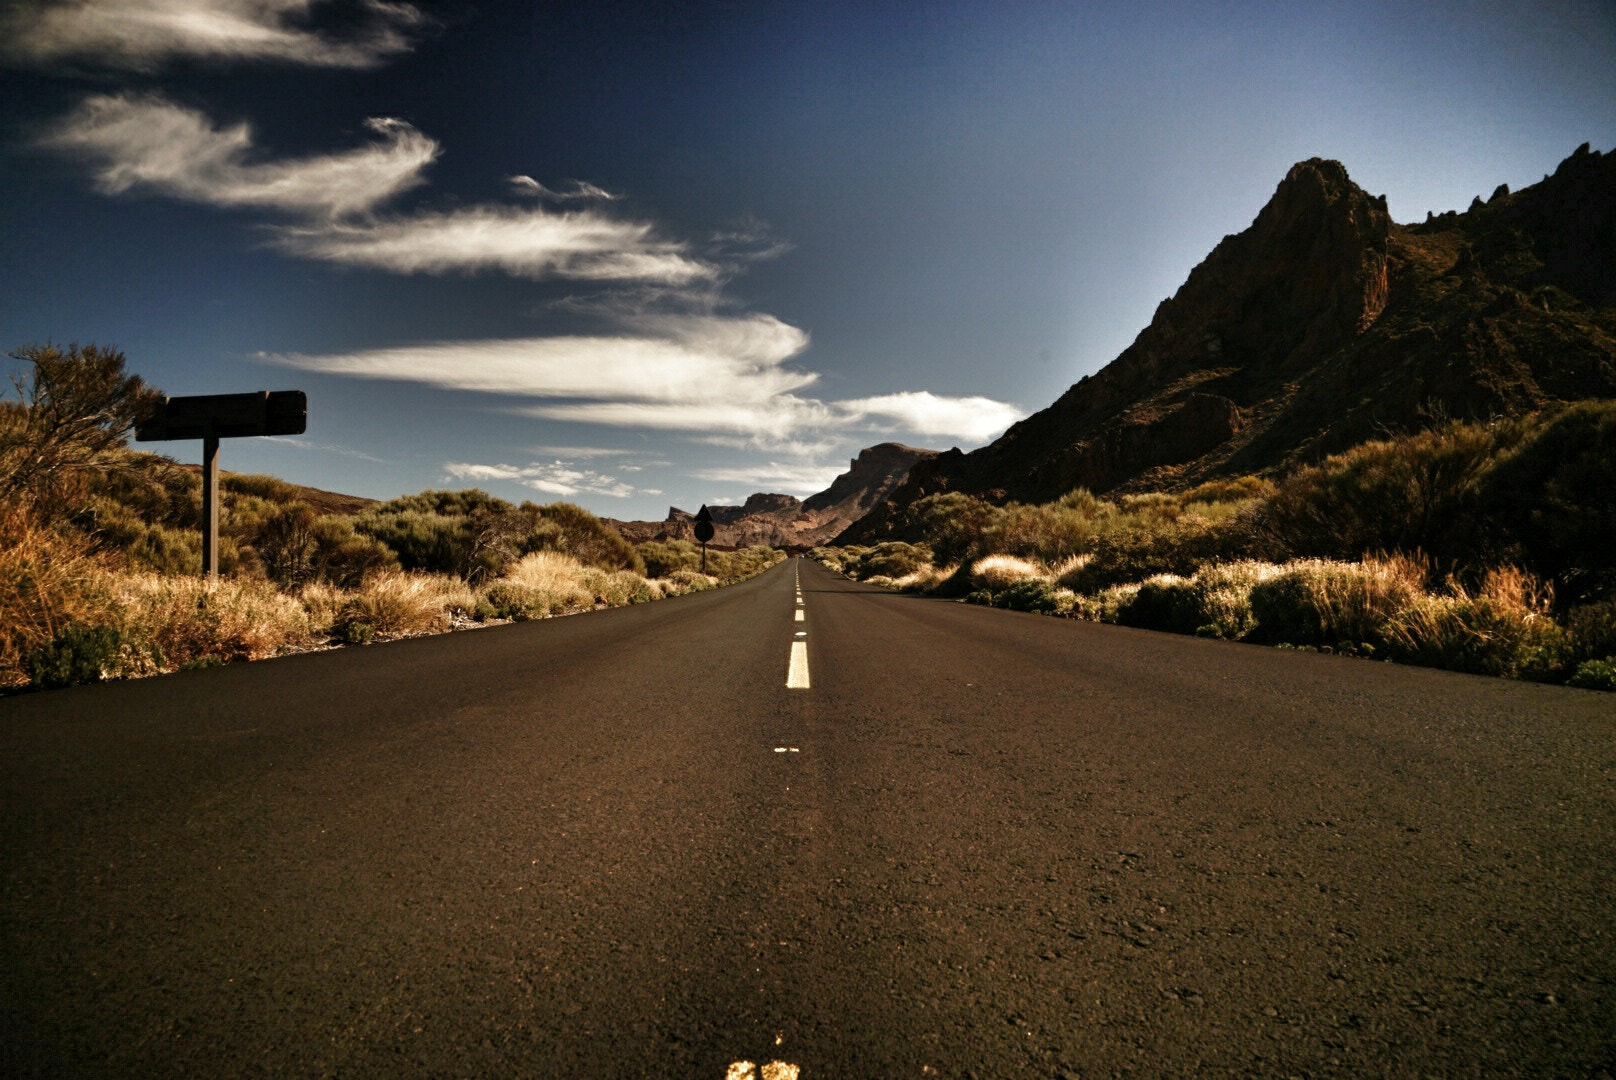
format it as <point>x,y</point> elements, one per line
<point>785,521</point>
<point>1322,325</point>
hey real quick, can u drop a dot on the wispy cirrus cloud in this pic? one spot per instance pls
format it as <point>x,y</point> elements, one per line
<point>712,377</point>
<point>529,243</point>
<point>140,36</point>
<point>148,143</point>
<point>562,478</point>
<point>579,191</point>
<point>787,477</point>
<point>692,361</point>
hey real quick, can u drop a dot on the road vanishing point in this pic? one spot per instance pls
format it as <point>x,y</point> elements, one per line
<point>802,828</point>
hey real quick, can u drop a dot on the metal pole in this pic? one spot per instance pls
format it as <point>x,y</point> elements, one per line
<point>704,556</point>
<point>210,508</point>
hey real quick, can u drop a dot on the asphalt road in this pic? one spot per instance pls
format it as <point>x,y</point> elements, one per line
<point>977,844</point>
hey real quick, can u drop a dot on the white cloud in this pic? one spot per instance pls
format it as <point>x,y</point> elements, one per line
<point>580,190</point>
<point>974,419</point>
<point>531,243</point>
<point>555,478</point>
<point>141,34</point>
<point>765,421</point>
<point>327,448</point>
<point>694,362</point>
<point>721,379</point>
<point>581,451</point>
<point>792,479</point>
<point>152,144</point>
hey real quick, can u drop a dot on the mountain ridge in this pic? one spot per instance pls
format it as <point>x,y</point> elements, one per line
<point>776,520</point>
<point>1322,325</point>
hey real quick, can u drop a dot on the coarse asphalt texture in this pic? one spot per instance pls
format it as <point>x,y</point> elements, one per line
<point>977,844</point>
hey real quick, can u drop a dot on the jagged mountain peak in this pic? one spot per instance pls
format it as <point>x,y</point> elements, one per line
<point>1321,325</point>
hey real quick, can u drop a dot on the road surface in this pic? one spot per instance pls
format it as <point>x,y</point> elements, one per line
<point>968,843</point>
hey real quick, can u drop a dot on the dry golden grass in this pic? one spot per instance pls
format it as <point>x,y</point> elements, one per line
<point>48,582</point>
<point>1002,571</point>
<point>1326,602</point>
<point>1503,627</point>
<point>400,603</point>
<point>171,622</point>
<point>557,576</point>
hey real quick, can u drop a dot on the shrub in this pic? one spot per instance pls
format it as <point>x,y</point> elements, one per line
<point>587,538</point>
<point>1236,489</point>
<point>1323,602</point>
<point>1411,494</point>
<point>662,558</point>
<point>1503,629</point>
<point>172,622</point>
<point>1592,629</point>
<point>617,588</point>
<point>1164,602</point>
<point>72,414</point>
<point>998,572</point>
<point>510,600</point>
<point>924,579</point>
<point>681,582</point>
<point>1595,674</point>
<point>1551,504</point>
<point>892,559</point>
<point>77,654</point>
<point>950,523</point>
<point>732,566</point>
<point>395,602</point>
<point>169,551</point>
<point>421,540</point>
<point>1049,532</point>
<point>323,604</point>
<point>1154,538</point>
<point>50,579</point>
<point>1222,597</point>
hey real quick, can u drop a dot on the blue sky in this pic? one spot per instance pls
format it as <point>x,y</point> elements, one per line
<point>642,254</point>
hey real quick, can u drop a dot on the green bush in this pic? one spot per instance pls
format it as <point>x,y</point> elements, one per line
<point>891,559</point>
<point>1550,505</point>
<point>1592,629</point>
<point>512,600</point>
<point>662,558</point>
<point>1164,602</point>
<point>1030,595</point>
<point>421,539</point>
<point>1414,494</point>
<point>689,581</point>
<point>77,654</point>
<point>1595,674</point>
<point>1145,543</point>
<point>1222,595</point>
<point>951,524</point>
<point>1050,532</point>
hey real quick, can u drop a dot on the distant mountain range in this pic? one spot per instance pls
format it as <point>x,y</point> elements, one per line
<point>784,520</point>
<point>1323,325</point>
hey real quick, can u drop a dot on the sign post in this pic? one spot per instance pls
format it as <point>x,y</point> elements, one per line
<point>704,532</point>
<point>211,417</point>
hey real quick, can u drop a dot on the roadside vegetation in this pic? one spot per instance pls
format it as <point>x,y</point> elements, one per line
<point>100,549</point>
<point>1484,548</point>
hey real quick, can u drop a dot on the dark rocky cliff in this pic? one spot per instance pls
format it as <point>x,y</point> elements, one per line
<point>1322,325</point>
